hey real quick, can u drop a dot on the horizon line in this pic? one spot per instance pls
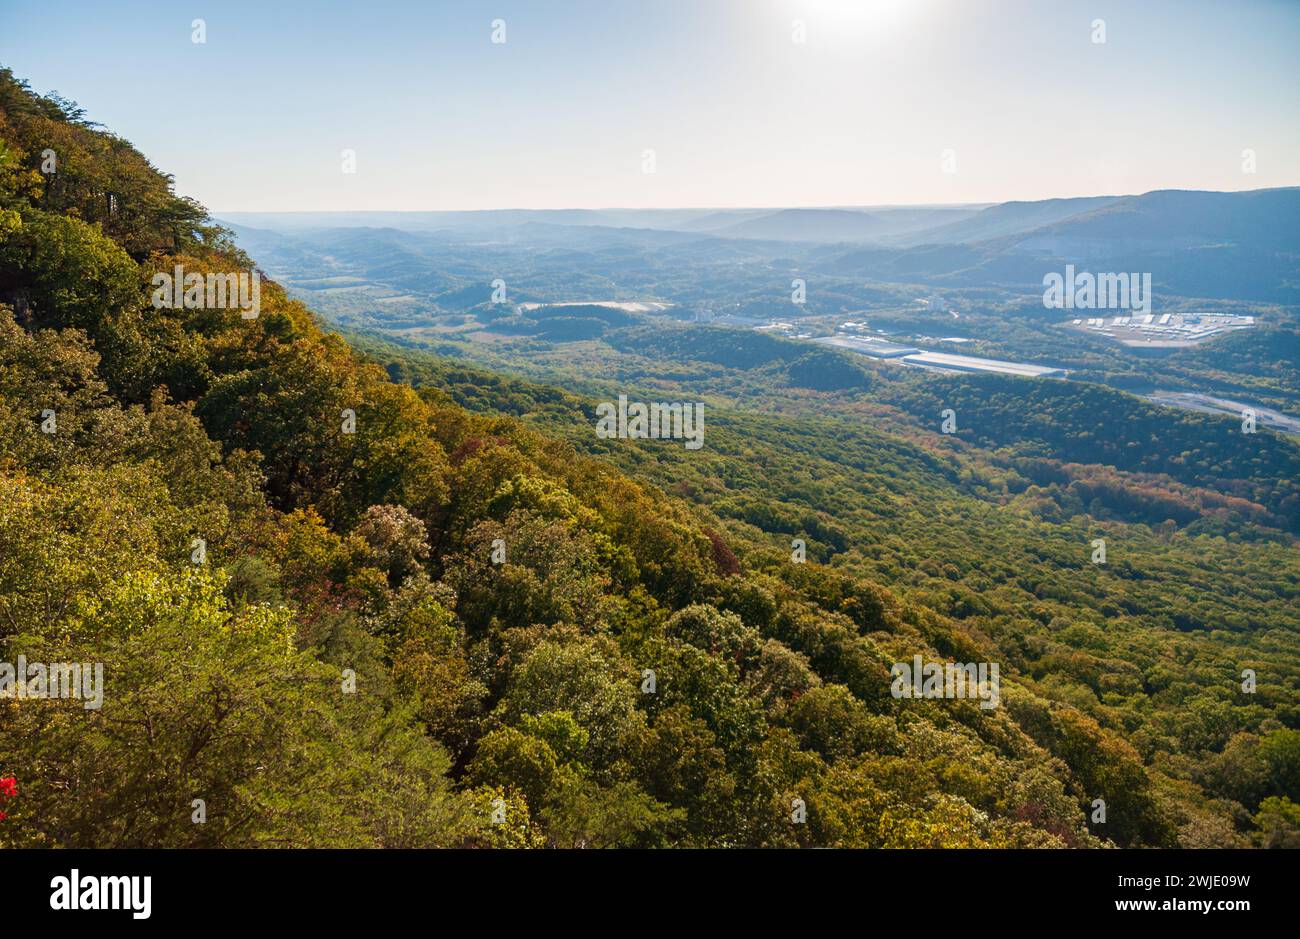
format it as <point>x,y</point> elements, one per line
<point>734,208</point>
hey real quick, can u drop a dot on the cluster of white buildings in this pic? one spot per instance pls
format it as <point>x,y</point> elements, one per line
<point>1164,329</point>
<point>789,330</point>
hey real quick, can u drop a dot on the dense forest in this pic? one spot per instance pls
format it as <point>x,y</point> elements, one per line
<point>374,597</point>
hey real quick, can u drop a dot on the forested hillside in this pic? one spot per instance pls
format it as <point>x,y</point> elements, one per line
<point>341,610</point>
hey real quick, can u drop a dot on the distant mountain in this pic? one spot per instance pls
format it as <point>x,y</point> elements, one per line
<point>1242,245</point>
<point>809,225</point>
<point>828,225</point>
<point>907,220</point>
<point>832,225</point>
<point>1009,218</point>
<point>1172,219</point>
<point>722,218</point>
<point>482,221</point>
<point>1224,245</point>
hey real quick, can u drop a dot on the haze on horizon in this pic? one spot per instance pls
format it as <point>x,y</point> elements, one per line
<point>736,111</point>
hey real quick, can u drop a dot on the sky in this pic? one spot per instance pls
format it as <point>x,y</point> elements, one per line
<point>882,102</point>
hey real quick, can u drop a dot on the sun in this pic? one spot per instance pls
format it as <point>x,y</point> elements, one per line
<point>850,14</point>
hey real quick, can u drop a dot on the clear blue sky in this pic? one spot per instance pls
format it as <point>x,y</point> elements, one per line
<point>736,112</point>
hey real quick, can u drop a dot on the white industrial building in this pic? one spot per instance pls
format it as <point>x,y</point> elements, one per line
<point>969,363</point>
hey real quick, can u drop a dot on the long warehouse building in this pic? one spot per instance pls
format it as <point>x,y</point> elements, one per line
<point>970,363</point>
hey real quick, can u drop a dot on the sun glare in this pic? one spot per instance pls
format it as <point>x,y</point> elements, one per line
<point>857,14</point>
